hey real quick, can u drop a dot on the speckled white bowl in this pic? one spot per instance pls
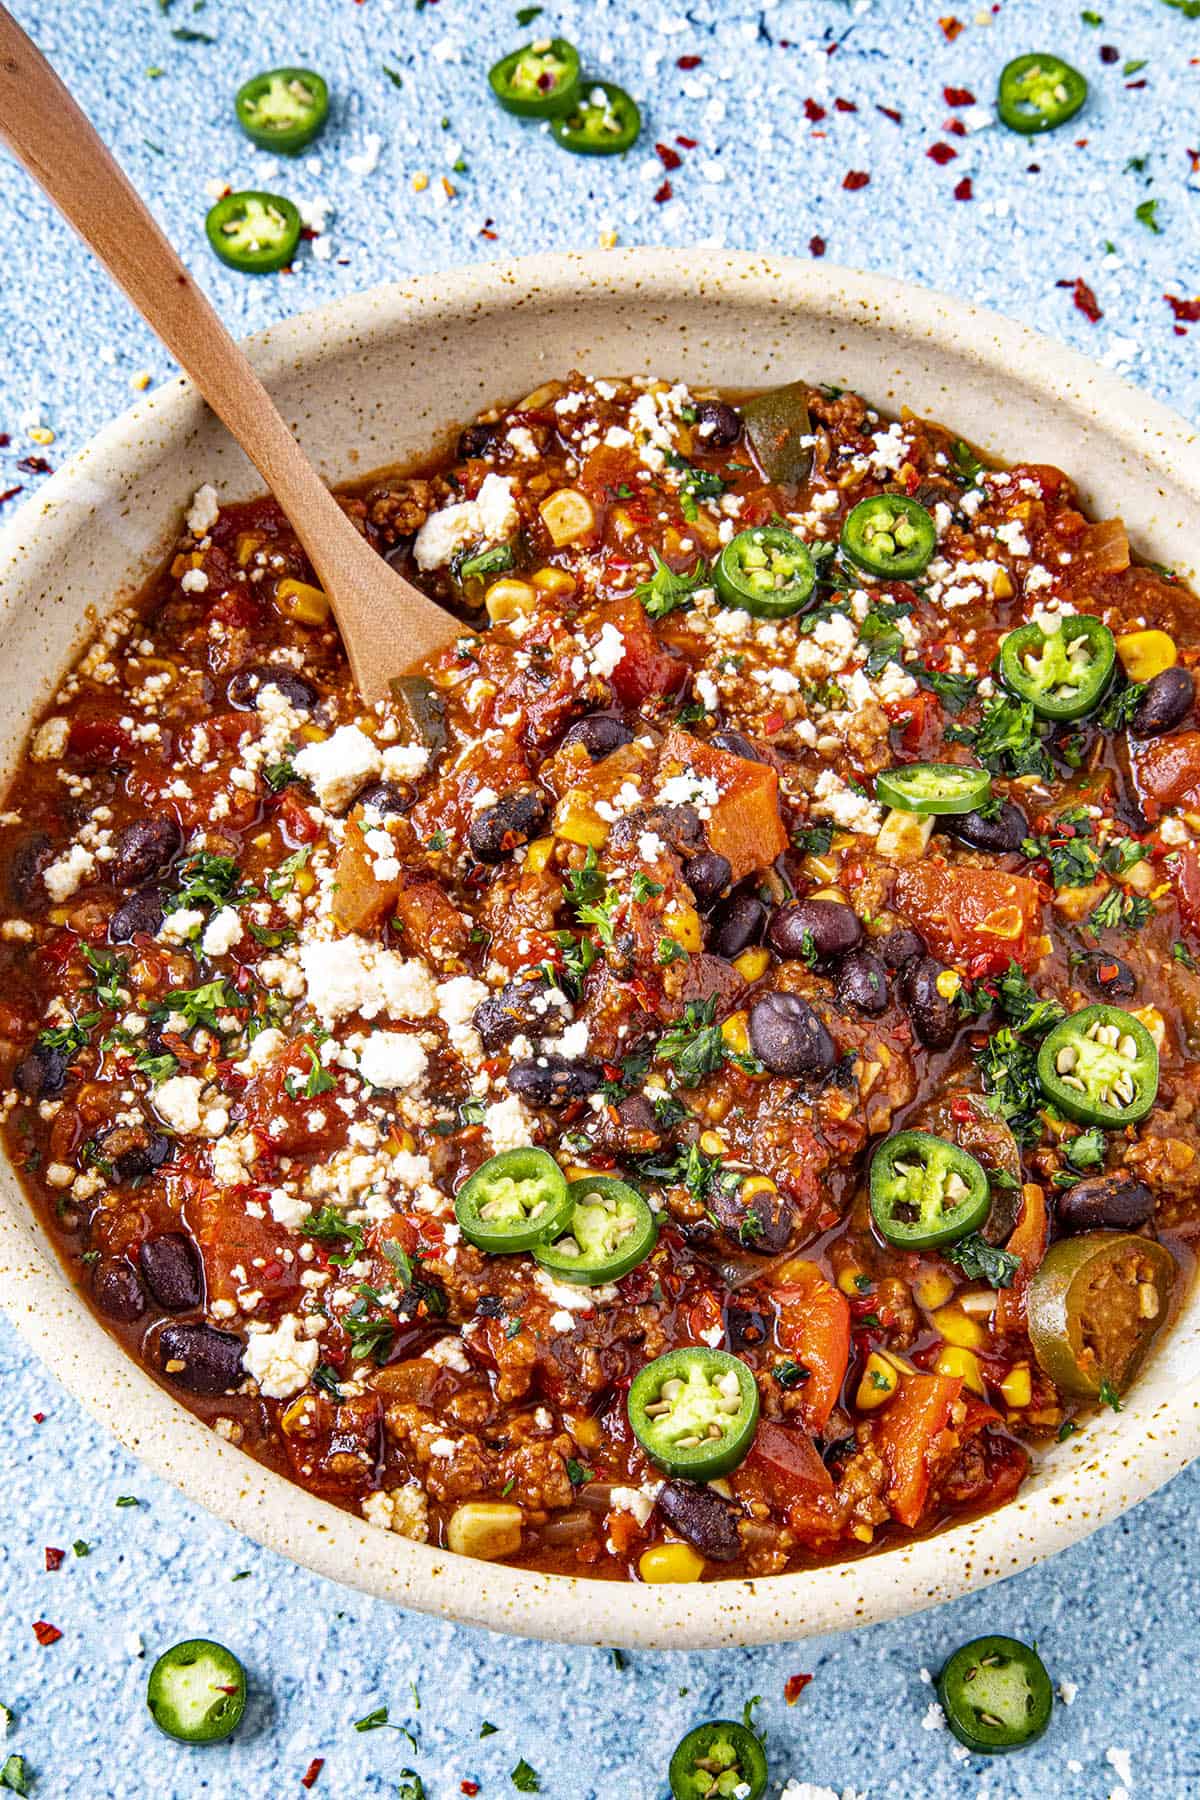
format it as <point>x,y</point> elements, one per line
<point>379,378</point>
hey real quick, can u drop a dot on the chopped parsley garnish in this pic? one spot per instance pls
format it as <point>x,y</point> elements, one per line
<point>967,465</point>
<point>70,1038</point>
<point>1120,707</point>
<point>14,1775</point>
<point>110,971</point>
<point>954,691</point>
<point>882,636</point>
<point>81,1547</point>
<point>487,1729</point>
<point>281,880</point>
<point>281,774</point>
<point>693,1045</point>
<point>1088,1150</point>
<point>329,1227</point>
<point>158,1068</point>
<point>1068,849</point>
<point>326,1377</point>
<point>1120,911</point>
<point>208,880</point>
<point>197,1006</point>
<point>1181,954</point>
<point>307,1087</point>
<point>694,484</point>
<point>1008,1065</point>
<point>669,951</point>
<point>525,1779</point>
<point>790,1374</point>
<point>487,562</point>
<point>668,592</point>
<point>368,1336</point>
<point>1006,739</point>
<point>643,888</point>
<point>1108,1396</point>
<point>577,1474</point>
<point>813,840</point>
<point>981,1261</point>
<point>1147,214</point>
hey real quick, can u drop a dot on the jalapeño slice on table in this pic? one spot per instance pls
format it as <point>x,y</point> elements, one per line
<point>1039,92</point>
<point>694,1412</point>
<point>283,109</point>
<point>716,1761</point>
<point>1095,1305</point>
<point>996,1695</point>
<point>1100,1067</point>
<point>767,571</point>
<point>514,1201</point>
<point>1063,674</point>
<point>254,232</point>
<point>197,1691</point>
<point>608,1231</point>
<point>942,788</point>
<point>925,1191</point>
<point>538,81</point>
<point>779,430</point>
<point>889,535</point>
<point>604,121</point>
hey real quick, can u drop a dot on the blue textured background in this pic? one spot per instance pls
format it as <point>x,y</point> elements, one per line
<point>1117,1615</point>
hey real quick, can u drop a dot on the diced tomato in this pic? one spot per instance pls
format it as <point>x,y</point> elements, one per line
<point>980,919</point>
<point>907,1434</point>
<point>296,822</point>
<point>787,1461</point>
<point>287,1120</point>
<point>1168,768</point>
<point>646,671</point>
<point>1027,1240</point>
<point>814,1326</point>
<point>704,1316</point>
<point>1183,867</point>
<point>744,825</point>
<point>241,1252</point>
<point>98,738</point>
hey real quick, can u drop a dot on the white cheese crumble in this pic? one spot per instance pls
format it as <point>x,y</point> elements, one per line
<point>204,511</point>
<point>490,517</point>
<point>282,1360</point>
<point>339,766</point>
<point>402,1510</point>
<point>391,1059</point>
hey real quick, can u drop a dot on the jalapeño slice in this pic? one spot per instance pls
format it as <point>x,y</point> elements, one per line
<point>608,1231</point>
<point>1095,1305</point>
<point>604,121</point>
<point>1100,1067</point>
<point>197,1691</point>
<point>941,788</point>
<point>926,1191</point>
<point>694,1412</point>
<point>718,1760</point>
<point>253,232</point>
<point>996,1695</point>
<point>514,1201</point>
<point>889,535</point>
<point>1039,92</point>
<point>538,81</point>
<point>1064,673</point>
<point>767,571</point>
<point>283,109</point>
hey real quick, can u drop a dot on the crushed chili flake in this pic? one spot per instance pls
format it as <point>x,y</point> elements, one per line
<point>490,235</point>
<point>670,159</point>
<point>950,28</point>
<point>686,143</point>
<point>941,154</point>
<point>45,1633</point>
<point>309,1777</point>
<point>1188,310</point>
<point>34,465</point>
<point>1085,300</point>
<point>38,1418</point>
<point>845,105</point>
<point>855,179</point>
<point>794,1686</point>
<point>664,192</point>
<point>955,126</point>
<point>10,494</point>
<point>468,1787</point>
<point>964,190</point>
<point>6,437</point>
<point>956,96</point>
<point>54,1558</point>
<point>816,246</point>
<point>688,62</point>
<point>890,112</point>
<point>813,111</point>
<point>1131,85</point>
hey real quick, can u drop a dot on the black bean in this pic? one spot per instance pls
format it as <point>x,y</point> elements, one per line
<point>499,829</point>
<point>1112,977</point>
<point>788,1038</point>
<point>600,734</point>
<point>717,425</point>
<point>900,946</point>
<point>746,1326</point>
<point>211,1360</point>
<point>473,440</point>
<point>554,1080</point>
<point>42,1072</point>
<point>520,1006</point>
<point>708,874</point>
<point>679,827</point>
<point>1000,835</point>
<point>386,797</point>
<point>141,913</point>
<point>171,1268</point>
<point>703,1519</point>
<point>765,1225</point>
<point>146,848</point>
<point>934,1018</point>
<point>24,875</point>
<point>862,983</point>
<point>736,745</point>
<point>244,688</point>
<point>736,925</point>
<point>1117,1202</point>
<point>1166,701</point>
<point>117,1291</point>
<point>815,931</point>
<point>134,1151</point>
<point>633,1130</point>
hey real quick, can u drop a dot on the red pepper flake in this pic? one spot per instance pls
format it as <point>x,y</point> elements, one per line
<point>686,143</point>
<point>491,236</point>
<point>774,722</point>
<point>1108,971</point>
<point>309,1777</point>
<point>10,494</point>
<point>813,111</point>
<point>1187,311</point>
<point>950,28</point>
<point>1085,300</point>
<point>468,1787</point>
<point>6,440</point>
<point>958,96</point>
<point>670,159</point>
<point>955,127</point>
<point>664,192</point>
<point>38,1418</point>
<point>688,62</point>
<point>890,112</point>
<point>941,154</point>
<point>794,1686</point>
<point>964,190</point>
<point>44,1633</point>
<point>34,465</point>
<point>1130,86</point>
<point>845,105</point>
<point>816,246</point>
<point>54,1558</point>
<point>855,179</point>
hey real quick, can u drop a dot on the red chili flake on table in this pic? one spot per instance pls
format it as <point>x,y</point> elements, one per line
<point>950,28</point>
<point>38,1418</point>
<point>958,96</point>
<point>774,722</point>
<point>816,246</point>
<point>855,179</point>
<point>890,112</point>
<point>664,192</point>
<point>688,62</point>
<point>45,1633</point>
<point>6,439</point>
<point>1185,310</point>
<point>794,1686</point>
<point>686,143</point>
<point>1131,85</point>
<point>309,1777</point>
<point>468,1787</point>
<point>1086,301</point>
<point>54,1558</point>
<point>845,105</point>
<point>941,154</point>
<point>10,494</point>
<point>964,190</point>
<point>670,159</point>
<point>813,111</point>
<point>491,236</point>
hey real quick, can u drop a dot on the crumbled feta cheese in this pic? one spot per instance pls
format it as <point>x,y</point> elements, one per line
<point>638,1502</point>
<point>392,1059</point>
<point>339,766</point>
<point>50,740</point>
<point>178,1102</point>
<point>281,1360</point>
<point>66,874</point>
<point>507,1124</point>
<point>403,1510</point>
<point>223,932</point>
<point>489,518</point>
<point>204,511</point>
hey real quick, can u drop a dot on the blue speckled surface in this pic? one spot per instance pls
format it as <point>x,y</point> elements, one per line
<point>1116,1615</point>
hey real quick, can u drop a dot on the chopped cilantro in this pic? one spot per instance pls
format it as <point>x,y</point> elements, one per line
<point>1006,739</point>
<point>1181,954</point>
<point>81,1547</point>
<point>1087,1151</point>
<point>668,592</point>
<point>208,880</point>
<point>198,1005</point>
<point>1120,911</point>
<point>329,1227</point>
<point>643,888</point>
<point>70,1038</point>
<point>1067,1429</point>
<point>487,1729</point>
<point>669,951</point>
<point>110,971</point>
<point>281,880</point>
<point>577,1474</point>
<point>693,1045</point>
<point>525,1779</point>
<point>1147,214</point>
<point>967,465</point>
<point>128,1500</point>
<point>317,1081</point>
<point>790,1374</point>
<point>14,1775</point>
<point>1108,1396</point>
<point>281,774</point>
<point>813,840</point>
<point>368,1336</point>
<point>981,1261</point>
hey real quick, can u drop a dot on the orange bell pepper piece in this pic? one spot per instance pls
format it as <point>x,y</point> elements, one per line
<point>906,1435</point>
<point>814,1325</point>
<point>744,825</point>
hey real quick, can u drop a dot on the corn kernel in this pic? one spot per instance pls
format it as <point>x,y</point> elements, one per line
<point>796,1270</point>
<point>485,1529</point>
<point>905,836</point>
<point>1017,1386</point>
<point>1154,1022</point>
<point>879,1382</point>
<point>682,922</point>
<point>420,182</point>
<point>820,868</point>
<point>849,1279</point>
<point>246,544</point>
<point>608,240</point>
<point>735,1034</point>
<point>864,1533</point>
<point>554,581</point>
<point>1145,654</point>
<point>568,516</point>
<point>712,1143</point>
<point>948,983</point>
<point>958,1328</point>
<point>752,965</point>
<point>588,1433</point>
<point>963,1363</point>
<point>509,599</point>
<point>830,893</point>
<point>306,604</point>
<point>538,854</point>
<point>42,434</point>
<point>304,882</point>
<point>932,1288</point>
<point>670,1562</point>
<point>576,820</point>
<point>755,1185</point>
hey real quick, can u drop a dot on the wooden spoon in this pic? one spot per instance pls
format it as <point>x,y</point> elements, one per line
<point>386,623</point>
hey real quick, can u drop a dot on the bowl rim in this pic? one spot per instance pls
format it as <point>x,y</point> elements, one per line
<point>1117,1462</point>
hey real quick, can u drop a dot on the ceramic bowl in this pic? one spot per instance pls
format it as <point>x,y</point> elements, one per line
<point>381,378</point>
